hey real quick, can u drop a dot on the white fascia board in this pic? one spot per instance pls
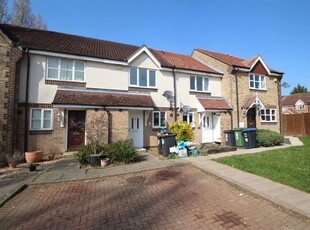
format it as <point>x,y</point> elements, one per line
<point>77,57</point>
<point>259,58</point>
<point>129,108</point>
<point>148,52</point>
<point>193,72</point>
<point>77,106</point>
<point>300,102</point>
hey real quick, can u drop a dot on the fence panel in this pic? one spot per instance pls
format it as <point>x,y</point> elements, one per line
<point>296,124</point>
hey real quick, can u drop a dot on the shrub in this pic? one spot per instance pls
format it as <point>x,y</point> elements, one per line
<point>266,138</point>
<point>87,150</point>
<point>121,151</point>
<point>183,131</point>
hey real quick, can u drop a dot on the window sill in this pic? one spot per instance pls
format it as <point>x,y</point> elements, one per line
<point>258,89</point>
<point>269,121</point>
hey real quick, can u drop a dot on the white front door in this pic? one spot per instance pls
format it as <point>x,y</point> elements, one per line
<point>206,127</point>
<point>135,128</point>
<point>216,128</point>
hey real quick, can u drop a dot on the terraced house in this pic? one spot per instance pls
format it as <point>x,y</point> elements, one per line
<point>53,84</point>
<point>250,86</point>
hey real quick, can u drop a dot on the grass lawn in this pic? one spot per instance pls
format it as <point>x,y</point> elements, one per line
<point>290,166</point>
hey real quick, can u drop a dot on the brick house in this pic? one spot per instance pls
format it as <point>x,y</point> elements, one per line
<point>296,103</point>
<point>250,86</point>
<point>52,85</point>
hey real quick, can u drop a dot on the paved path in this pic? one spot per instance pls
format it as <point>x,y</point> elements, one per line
<point>183,197</point>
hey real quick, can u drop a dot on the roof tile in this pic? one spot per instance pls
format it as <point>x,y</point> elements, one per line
<point>217,103</point>
<point>93,98</point>
<point>293,98</point>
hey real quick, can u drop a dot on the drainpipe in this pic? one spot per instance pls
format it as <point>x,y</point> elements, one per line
<point>280,106</point>
<point>26,103</point>
<point>109,127</point>
<point>237,100</point>
<point>175,93</point>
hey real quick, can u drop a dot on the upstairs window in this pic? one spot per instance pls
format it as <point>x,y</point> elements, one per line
<point>159,119</point>
<point>200,84</point>
<point>189,118</point>
<point>142,77</point>
<point>257,81</point>
<point>65,69</point>
<point>41,119</point>
<point>268,115</point>
<point>300,107</point>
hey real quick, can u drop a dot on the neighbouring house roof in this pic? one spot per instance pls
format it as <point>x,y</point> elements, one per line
<point>293,98</point>
<point>102,98</point>
<point>233,60</point>
<point>218,103</point>
<point>51,41</point>
<point>290,111</point>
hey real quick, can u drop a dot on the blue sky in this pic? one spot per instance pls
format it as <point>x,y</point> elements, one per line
<point>279,30</point>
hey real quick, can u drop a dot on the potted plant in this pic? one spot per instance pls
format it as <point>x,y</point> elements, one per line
<point>33,156</point>
<point>95,135</point>
<point>14,159</point>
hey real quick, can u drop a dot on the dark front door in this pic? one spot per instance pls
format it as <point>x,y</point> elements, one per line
<point>251,118</point>
<point>76,129</point>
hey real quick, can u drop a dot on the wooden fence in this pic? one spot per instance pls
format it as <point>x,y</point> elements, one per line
<point>296,124</point>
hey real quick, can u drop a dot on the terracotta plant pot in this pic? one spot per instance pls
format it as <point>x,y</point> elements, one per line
<point>12,165</point>
<point>33,157</point>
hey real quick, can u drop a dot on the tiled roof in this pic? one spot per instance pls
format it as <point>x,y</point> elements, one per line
<point>293,98</point>
<point>248,101</point>
<point>180,61</point>
<point>290,111</point>
<point>83,46</point>
<point>100,98</point>
<point>233,60</point>
<point>217,103</point>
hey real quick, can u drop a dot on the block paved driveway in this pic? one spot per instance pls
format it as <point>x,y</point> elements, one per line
<point>173,198</point>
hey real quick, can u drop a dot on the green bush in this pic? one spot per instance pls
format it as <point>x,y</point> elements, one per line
<point>121,151</point>
<point>87,150</point>
<point>183,131</point>
<point>266,138</point>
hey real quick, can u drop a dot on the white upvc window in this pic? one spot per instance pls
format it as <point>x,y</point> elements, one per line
<point>300,106</point>
<point>268,115</point>
<point>140,77</point>
<point>65,70</point>
<point>189,118</point>
<point>200,84</point>
<point>41,119</point>
<point>257,81</point>
<point>159,119</point>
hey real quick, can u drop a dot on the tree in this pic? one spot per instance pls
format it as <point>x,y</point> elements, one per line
<point>299,89</point>
<point>4,14</point>
<point>21,15</point>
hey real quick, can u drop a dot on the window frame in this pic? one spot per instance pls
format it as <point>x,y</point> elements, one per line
<point>59,69</point>
<point>148,77</point>
<point>268,115</point>
<point>160,125</point>
<point>41,119</point>
<point>300,107</point>
<point>202,86</point>
<point>188,118</point>
<point>259,81</point>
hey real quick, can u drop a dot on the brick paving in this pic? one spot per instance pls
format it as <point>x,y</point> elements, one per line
<point>181,197</point>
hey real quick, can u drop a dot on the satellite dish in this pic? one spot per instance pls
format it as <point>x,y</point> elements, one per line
<point>186,108</point>
<point>168,94</point>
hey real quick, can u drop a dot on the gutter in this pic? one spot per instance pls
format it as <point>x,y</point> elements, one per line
<point>26,102</point>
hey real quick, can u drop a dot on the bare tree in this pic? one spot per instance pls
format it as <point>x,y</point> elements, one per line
<point>4,14</point>
<point>21,15</point>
